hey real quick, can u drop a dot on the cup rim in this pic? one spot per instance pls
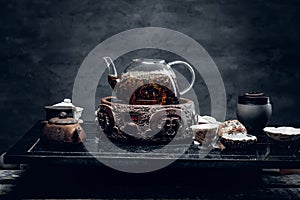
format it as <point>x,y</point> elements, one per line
<point>204,126</point>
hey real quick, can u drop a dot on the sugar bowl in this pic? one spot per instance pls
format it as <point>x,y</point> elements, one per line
<point>254,111</point>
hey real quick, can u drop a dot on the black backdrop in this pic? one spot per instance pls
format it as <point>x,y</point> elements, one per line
<point>255,45</point>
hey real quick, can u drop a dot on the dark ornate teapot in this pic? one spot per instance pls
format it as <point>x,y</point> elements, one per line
<point>147,82</point>
<point>62,130</point>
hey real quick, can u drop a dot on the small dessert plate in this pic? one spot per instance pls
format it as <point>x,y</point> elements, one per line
<point>283,133</point>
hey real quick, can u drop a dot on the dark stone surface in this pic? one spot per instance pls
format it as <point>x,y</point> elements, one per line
<point>41,182</point>
<point>255,45</point>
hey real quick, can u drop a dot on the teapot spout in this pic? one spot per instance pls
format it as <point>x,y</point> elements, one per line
<point>112,72</point>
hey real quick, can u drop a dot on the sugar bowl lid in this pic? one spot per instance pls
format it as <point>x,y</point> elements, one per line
<point>62,119</point>
<point>256,98</point>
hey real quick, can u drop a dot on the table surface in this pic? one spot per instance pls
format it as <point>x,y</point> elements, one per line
<point>61,182</point>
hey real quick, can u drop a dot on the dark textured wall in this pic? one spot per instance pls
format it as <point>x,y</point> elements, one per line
<point>255,44</point>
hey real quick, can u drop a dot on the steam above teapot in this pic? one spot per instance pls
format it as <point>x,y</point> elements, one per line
<point>147,81</point>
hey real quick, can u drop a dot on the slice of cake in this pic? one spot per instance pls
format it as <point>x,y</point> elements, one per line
<point>233,135</point>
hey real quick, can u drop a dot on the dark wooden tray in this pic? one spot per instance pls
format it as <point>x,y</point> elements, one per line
<point>29,150</point>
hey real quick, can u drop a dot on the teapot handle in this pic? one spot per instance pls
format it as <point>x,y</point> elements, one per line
<point>191,71</point>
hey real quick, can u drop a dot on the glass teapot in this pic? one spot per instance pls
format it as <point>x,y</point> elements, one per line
<point>147,81</point>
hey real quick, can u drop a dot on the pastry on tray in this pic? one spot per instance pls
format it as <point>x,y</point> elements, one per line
<point>232,126</point>
<point>283,133</point>
<point>233,135</point>
<point>238,140</point>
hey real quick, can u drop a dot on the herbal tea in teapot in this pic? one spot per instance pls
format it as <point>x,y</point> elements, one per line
<point>147,81</point>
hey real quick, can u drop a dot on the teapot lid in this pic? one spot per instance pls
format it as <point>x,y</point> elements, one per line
<point>255,98</point>
<point>149,61</point>
<point>62,119</point>
<point>65,103</point>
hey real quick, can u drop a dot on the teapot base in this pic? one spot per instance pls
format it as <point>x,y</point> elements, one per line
<point>146,124</point>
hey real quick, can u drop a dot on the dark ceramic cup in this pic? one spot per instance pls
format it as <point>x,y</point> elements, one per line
<point>254,111</point>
